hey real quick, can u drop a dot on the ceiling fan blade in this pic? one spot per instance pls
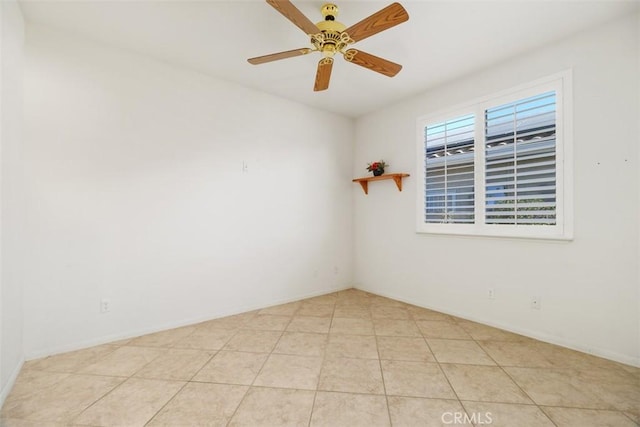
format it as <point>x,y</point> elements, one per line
<point>293,14</point>
<point>323,74</point>
<point>372,62</point>
<point>384,19</point>
<point>280,55</point>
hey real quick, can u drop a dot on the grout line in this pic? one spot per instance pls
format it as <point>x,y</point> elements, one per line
<point>235,411</point>
<point>445,376</point>
<point>97,400</point>
<point>166,403</point>
<point>384,385</point>
<point>250,386</point>
<point>324,359</point>
<point>510,377</point>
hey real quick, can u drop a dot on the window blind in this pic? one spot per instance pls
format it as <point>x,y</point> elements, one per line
<point>520,162</point>
<point>449,177</point>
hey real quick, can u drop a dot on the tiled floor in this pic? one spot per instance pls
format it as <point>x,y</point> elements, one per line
<point>344,359</point>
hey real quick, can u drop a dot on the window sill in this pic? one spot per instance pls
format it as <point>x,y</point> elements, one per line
<point>498,234</point>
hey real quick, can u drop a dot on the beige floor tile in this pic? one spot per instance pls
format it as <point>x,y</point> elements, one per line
<point>133,403</point>
<point>567,358</point>
<point>282,309</point>
<point>60,403</point>
<point>352,312</point>
<point>268,322</point>
<point>573,417</point>
<point>351,298</point>
<point>631,370</point>
<point>232,367</point>
<point>625,402</point>
<point>396,328</point>
<point>522,354</point>
<point>287,371</point>
<point>351,326</point>
<point>200,404</point>
<point>413,411</point>
<point>442,329</point>
<point>484,383</point>
<point>415,379</point>
<point>72,361</point>
<point>635,416</point>
<point>32,382</point>
<point>419,313</point>
<point>328,299</point>
<point>556,387</point>
<point>123,362</point>
<point>175,364</point>
<point>458,351</point>
<point>404,348</point>
<point>507,415</point>
<point>206,339</point>
<point>607,376</point>
<point>236,321</point>
<point>309,324</point>
<point>358,346</point>
<point>355,301</point>
<point>27,364</point>
<point>383,301</point>
<point>256,341</point>
<point>619,390</point>
<point>120,343</point>
<point>318,310</point>
<point>387,312</point>
<point>609,364</point>
<point>483,332</point>
<point>274,407</point>
<point>17,422</point>
<point>351,375</point>
<point>536,354</point>
<point>346,409</point>
<point>302,344</point>
<point>162,339</point>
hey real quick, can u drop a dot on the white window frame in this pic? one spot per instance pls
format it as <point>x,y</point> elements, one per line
<point>561,83</point>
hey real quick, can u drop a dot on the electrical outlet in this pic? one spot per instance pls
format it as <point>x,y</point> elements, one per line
<point>105,305</point>
<point>492,294</point>
<point>535,303</point>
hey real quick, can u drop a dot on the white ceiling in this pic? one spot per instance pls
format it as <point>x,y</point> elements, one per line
<point>441,41</point>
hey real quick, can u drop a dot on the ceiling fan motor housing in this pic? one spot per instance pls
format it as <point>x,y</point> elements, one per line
<point>330,39</point>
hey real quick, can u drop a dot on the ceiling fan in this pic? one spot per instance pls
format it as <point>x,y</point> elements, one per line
<point>330,37</point>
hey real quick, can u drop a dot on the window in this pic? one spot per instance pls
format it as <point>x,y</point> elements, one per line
<point>449,171</point>
<point>499,166</point>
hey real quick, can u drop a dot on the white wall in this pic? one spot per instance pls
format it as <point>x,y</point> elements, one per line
<point>136,193</point>
<point>588,287</point>
<point>11,201</point>
<point>638,130</point>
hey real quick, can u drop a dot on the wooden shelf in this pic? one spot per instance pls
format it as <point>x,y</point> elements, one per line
<point>396,177</point>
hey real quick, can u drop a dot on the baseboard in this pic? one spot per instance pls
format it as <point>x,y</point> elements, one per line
<point>12,380</point>
<point>171,325</point>
<point>551,339</point>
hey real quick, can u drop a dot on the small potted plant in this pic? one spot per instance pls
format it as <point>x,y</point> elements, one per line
<point>377,167</point>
